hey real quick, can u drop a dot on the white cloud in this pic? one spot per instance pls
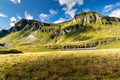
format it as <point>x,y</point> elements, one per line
<point>16,1</point>
<point>12,21</point>
<point>43,16</point>
<point>28,16</point>
<point>109,7</point>
<point>69,4</point>
<point>19,17</point>
<point>115,13</point>
<point>71,12</point>
<point>86,10</point>
<point>3,15</point>
<point>12,24</point>
<point>59,20</point>
<point>53,12</point>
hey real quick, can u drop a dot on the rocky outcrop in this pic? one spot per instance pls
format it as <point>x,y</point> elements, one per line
<point>114,19</point>
<point>71,28</point>
<point>87,18</point>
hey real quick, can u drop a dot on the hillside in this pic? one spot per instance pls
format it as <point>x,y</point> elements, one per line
<point>87,29</point>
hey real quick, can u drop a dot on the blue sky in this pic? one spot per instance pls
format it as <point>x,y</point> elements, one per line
<point>11,11</point>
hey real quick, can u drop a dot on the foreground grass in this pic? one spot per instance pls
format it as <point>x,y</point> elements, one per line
<point>62,65</point>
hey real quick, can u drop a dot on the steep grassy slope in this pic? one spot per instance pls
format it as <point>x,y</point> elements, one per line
<point>65,65</point>
<point>95,33</point>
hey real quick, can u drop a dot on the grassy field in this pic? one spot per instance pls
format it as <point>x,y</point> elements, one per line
<point>62,65</point>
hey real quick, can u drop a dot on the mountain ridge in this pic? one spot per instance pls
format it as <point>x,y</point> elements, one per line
<point>86,28</point>
<point>76,17</point>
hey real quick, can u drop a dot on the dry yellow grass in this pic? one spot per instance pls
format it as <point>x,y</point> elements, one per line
<point>62,65</point>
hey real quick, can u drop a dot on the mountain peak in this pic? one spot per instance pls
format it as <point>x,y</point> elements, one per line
<point>89,17</point>
<point>25,24</point>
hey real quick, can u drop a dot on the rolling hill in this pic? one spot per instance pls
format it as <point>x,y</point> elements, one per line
<point>85,30</point>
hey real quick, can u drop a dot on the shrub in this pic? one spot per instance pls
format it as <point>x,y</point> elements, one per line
<point>10,51</point>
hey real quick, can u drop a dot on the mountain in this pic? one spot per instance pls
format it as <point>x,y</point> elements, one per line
<point>87,29</point>
<point>3,33</point>
<point>27,25</point>
<point>94,17</point>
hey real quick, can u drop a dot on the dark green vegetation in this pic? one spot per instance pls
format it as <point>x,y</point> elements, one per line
<point>11,51</point>
<point>62,65</point>
<point>85,30</point>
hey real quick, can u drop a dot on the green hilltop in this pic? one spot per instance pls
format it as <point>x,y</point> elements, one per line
<point>85,30</point>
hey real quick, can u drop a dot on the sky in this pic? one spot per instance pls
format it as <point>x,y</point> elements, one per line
<point>11,11</point>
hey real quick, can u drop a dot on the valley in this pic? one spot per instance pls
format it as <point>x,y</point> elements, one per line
<point>59,39</point>
<point>86,47</point>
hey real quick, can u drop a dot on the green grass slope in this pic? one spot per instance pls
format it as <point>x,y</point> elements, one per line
<point>102,34</point>
<point>87,29</point>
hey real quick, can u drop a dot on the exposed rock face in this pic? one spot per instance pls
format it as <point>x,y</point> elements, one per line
<point>87,18</point>
<point>115,19</point>
<point>32,37</point>
<point>72,28</point>
<point>6,44</point>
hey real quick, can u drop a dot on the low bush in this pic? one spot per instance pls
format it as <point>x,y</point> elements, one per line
<point>12,51</point>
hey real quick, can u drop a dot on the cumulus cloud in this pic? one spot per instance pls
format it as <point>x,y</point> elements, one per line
<point>109,7</point>
<point>16,1</point>
<point>53,12</point>
<point>71,12</point>
<point>28,16</point>
<point>12,21</point>
<point>59,20</point>
<point>43,16</point>
<point>69,4</point>
<point>3,15</point>
<point>115,13</point>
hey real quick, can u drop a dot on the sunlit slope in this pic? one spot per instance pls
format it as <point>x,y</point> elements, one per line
<point>87,29</point>
<point>64,65</point>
